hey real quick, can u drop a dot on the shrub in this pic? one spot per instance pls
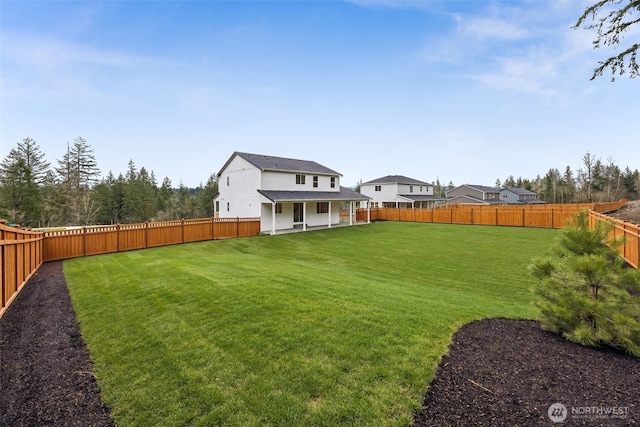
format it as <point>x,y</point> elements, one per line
<point>584,290</point>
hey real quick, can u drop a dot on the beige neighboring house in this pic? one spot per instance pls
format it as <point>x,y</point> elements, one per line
<point>284,193</point>
<point>398,191</point>
<point>483,195</point>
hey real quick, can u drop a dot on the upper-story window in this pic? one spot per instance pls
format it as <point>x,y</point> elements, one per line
<point>300,179</point>
<point>333,182</point>
<point>227,181</point>
<point>378,188</point>
<point>315,182</point>
<point>411,189</point>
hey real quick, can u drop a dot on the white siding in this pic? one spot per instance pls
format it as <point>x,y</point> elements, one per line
<point>417,189</point>
<point>238,186</point>
<point>286,181</point>
<point>387,192</point>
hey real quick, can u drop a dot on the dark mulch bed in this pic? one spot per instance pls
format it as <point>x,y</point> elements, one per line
<point>46,376</point>
<point>498,372</point>
<point>503,372</point>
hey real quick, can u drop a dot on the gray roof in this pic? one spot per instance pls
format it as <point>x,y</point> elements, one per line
<point>484,188</point>
<point>283,164</point>
<point>345,194</point>
<point>396,179</point>
<point>422,197</point>
<point>520,191</point>
<point>475,200</point>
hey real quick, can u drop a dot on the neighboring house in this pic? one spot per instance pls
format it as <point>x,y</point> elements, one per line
<point>483,195</point>
<point>473,194</point>
<point>519,195</point>
<point>284,193</point>
<point>397,191</point>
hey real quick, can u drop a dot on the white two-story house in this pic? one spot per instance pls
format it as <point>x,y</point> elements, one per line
<point>397,191</point>
<point>284,193</point>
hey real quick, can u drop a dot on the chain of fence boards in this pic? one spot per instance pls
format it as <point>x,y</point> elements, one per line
<point>23,251</point>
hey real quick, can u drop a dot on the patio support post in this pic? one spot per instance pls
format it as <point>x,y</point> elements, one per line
<point>304,216</point>
<point>351,212</point>
<point>273,218</point>
<point>368,211</point>
<point>329,214</point>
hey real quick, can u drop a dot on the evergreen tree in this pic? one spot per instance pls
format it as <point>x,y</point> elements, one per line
<point>585,293</point>
<point>204,197</point>
<point>78,173</point>
<point>22,174</point>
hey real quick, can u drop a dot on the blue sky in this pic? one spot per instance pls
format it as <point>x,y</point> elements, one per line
<point>463,91</point>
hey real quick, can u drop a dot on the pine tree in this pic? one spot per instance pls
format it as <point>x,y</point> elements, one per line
<point>585,292</point>
<point>78,173</point>
<point>22,174</point>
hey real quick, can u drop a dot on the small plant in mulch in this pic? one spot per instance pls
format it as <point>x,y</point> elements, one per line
<point>584,291</point>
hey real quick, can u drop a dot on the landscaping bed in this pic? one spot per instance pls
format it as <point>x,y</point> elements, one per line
<point>498,372</point>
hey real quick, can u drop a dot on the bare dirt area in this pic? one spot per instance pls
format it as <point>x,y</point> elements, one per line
<point>497,372</point>
<point>629,213</point>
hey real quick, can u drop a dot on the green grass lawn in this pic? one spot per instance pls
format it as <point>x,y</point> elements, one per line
<point>333,327</point>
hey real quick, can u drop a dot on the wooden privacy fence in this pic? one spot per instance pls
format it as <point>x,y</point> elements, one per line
<point>545,216</point>
<point>20,256</point>
<point>104,239</point>
<point>630,249</point>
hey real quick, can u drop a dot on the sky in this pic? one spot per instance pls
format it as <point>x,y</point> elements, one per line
<point>466,92</point>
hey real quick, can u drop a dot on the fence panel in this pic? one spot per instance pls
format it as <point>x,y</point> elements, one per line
<point>196,230</point>
<point>21,254</point>
<point>164,233</point>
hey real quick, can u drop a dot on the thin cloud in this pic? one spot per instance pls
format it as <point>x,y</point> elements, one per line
<point>50,53</point>
<point>490,29</point>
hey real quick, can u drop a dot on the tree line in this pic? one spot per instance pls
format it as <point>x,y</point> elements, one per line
<point>594,181</point>
<point>35,194</point>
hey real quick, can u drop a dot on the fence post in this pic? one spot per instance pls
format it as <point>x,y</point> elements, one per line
<point>117,237</point>
<point>238,227</point>
<point>523,223</point>
<point>496,216</point>
<point>553,218</point>
<point>84,241</point>
<point>471,216</point>
<point>146,234</point>
<point>2,265</point>
<point>182,228</point>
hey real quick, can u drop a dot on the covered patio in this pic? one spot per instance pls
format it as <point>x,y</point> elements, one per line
<point>307,210</point>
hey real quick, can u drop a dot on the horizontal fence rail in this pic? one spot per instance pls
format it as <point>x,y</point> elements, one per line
<point>20,256</point>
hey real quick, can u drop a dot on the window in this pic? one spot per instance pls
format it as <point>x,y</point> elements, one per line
<point>333,182</point>
<point>227,181</point>
<point>411,189</point>
<point>323,207</point>
<point>315,182</point>
<point>300,179</point>
<point>278,208</point>
<point>227,206</point>
<point>378,187</point>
